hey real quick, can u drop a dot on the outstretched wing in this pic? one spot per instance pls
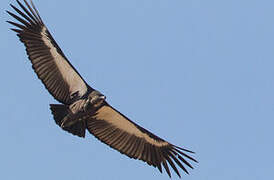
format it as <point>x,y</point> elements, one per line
<point>117,131</point>
<point>48,61</point>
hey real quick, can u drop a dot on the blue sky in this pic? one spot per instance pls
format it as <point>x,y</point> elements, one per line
<point>196,73</point>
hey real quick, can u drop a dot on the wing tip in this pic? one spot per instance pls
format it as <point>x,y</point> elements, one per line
<point>183,149</point>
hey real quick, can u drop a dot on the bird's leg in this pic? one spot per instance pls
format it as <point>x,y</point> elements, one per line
<point>67,122</point>
<point>76,110</point>
<point>71,119</point>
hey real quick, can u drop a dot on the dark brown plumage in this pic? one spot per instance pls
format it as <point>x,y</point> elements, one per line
<point>84,107</point>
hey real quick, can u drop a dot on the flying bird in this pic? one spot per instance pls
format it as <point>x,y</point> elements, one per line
<point>83,107</point>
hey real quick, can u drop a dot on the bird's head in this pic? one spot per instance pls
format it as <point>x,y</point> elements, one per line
<point>95,98</point>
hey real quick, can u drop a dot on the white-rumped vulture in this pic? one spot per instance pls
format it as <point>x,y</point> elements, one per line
<point>84,107</point>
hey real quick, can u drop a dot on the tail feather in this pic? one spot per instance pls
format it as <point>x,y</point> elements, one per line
<point>59,112</point>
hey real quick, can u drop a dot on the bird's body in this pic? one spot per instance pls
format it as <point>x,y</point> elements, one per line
<point>84,108</point>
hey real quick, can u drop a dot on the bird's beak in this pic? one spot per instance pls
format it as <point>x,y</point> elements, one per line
<point>103,97</point>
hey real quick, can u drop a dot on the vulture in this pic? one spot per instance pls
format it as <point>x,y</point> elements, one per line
<point>82,107</point>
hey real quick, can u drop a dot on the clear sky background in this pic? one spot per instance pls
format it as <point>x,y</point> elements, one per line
<point>198,73</point>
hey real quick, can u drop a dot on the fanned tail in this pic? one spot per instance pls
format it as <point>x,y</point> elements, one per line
<point>59,112</point>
